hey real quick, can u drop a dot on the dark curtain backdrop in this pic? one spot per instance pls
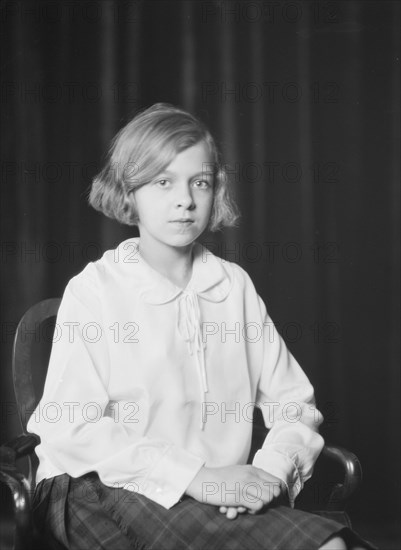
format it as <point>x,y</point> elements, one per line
<point>303,100</point>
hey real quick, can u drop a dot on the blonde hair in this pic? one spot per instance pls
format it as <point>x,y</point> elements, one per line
<point>144,148</point>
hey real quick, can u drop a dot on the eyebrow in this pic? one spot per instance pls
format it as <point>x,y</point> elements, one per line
<point>202,173</point>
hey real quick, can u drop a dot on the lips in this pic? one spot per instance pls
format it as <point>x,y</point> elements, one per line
<point>182,220</point>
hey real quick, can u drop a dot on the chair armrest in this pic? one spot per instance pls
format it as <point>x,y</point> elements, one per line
<point>20,490</point>
<point>352,470</point>
<point>23,445</point>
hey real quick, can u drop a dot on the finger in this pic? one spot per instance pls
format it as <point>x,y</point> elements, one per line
<point>223,509</point>
<point>256,509</point>
<point>241,509</point>
<point>254,495</point>
<point>231,513</point>
<point>252,503</point>
<point>277,490</point>
<point>271,491</point>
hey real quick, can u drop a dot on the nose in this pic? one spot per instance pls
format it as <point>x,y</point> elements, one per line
<point>185,197</point>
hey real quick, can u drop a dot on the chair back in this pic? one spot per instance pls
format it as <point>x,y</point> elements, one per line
<point>31,352</point>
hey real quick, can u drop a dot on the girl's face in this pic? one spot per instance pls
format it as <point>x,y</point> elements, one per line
<point>174,209</point>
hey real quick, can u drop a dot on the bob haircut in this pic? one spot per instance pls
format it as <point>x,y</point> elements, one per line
<point>142,150</point>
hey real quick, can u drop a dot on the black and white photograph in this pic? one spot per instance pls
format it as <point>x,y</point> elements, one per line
<point>200,207</point>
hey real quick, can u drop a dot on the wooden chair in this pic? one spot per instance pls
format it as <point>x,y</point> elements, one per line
<point>337,472</point>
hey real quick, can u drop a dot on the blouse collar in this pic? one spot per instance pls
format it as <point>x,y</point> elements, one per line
<point>211,278</point>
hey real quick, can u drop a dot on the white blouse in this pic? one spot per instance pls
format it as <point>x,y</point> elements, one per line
<point>148,382</point>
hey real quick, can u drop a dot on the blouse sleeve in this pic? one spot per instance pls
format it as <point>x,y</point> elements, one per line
<point>78,434</point>
<point>286,399</point>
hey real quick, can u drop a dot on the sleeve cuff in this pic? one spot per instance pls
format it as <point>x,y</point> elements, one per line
<point>282,467</point>
<point>170,477</point>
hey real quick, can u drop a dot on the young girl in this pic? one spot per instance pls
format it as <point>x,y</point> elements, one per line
<point>160,354</point>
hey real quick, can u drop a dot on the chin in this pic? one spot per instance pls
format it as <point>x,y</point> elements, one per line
<point>183,240</point>
<point>181,243</point>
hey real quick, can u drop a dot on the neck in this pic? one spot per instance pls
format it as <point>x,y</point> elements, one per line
<point>175,263</point>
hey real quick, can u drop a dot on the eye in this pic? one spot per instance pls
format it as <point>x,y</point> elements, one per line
<point>162,183</point>
<point>202,184</point>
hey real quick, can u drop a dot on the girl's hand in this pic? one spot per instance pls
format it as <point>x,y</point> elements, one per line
<point>234,488</point>
<point>232,512</point>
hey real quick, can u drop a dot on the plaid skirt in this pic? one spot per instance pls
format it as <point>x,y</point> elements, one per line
<point>84,514</point>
